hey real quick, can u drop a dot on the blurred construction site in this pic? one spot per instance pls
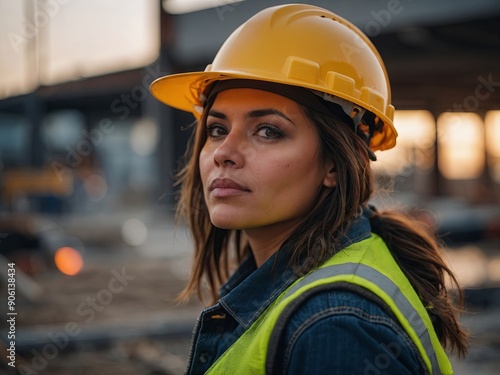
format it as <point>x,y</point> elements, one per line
<point>87,163</point>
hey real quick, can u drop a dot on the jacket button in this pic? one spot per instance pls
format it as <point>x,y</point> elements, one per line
<point>204,357</point>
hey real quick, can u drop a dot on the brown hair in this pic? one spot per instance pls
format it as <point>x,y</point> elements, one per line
<point>316,239</point>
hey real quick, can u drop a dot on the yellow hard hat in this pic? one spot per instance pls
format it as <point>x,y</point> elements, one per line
<point>300,45</point>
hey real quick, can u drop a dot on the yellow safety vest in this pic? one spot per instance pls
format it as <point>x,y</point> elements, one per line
<point>368,264</point>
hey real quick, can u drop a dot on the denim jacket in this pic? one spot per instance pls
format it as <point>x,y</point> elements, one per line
<point>338,331</point>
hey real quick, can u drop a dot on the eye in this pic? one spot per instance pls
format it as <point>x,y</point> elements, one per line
<point>215,130</point>
<point>269,131</point>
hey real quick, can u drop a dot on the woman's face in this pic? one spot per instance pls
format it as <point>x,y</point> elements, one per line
<point>260,165</point>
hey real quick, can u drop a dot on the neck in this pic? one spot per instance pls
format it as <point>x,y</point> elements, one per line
<point>265,241</point>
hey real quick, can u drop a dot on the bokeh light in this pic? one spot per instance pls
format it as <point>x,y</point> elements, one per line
<point>461,145</point>
<point>469,263</point>
<point>68,260</point>
<point>144,137</point>
<point>95,186</point>
<point>492,126</point>
<point>134,232</point>
<point>416,136</point>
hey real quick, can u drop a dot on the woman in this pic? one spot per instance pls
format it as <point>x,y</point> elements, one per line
<point>277,181</point>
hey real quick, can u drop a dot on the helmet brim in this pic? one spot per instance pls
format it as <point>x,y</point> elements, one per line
<point>184,91</point>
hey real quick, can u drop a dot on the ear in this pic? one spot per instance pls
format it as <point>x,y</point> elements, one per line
<point>330,179</point>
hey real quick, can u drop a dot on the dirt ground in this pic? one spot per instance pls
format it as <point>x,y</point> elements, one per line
<point>118,316</point>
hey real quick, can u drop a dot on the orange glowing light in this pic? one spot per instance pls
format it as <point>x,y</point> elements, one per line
<point>461,145</point>
<point>68,260</point>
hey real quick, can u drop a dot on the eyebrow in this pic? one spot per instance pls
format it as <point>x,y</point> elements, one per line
<point>253,114</point>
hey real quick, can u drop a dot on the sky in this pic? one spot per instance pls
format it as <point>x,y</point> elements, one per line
<point>74,39</point>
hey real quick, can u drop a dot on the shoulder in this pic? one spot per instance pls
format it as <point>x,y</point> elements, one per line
<point>341,330</point>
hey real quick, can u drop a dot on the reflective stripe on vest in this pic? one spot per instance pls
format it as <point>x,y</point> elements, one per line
<point>368,264</point>
<point>386,284</point>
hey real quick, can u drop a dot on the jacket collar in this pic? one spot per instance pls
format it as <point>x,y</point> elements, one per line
<point>250,290</point>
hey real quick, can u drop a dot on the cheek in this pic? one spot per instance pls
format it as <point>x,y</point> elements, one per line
<point>292,172</point>
<point>205,161</point>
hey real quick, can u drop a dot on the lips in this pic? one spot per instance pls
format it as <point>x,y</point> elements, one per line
<point>224,187</point>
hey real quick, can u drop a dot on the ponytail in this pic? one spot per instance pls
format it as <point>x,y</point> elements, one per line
<point>416,251</point>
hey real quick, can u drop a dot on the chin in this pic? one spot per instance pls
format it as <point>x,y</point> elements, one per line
<point>227,218</point>
<point>225,223</point>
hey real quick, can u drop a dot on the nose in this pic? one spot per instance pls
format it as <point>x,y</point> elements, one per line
<point>230,153</point>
